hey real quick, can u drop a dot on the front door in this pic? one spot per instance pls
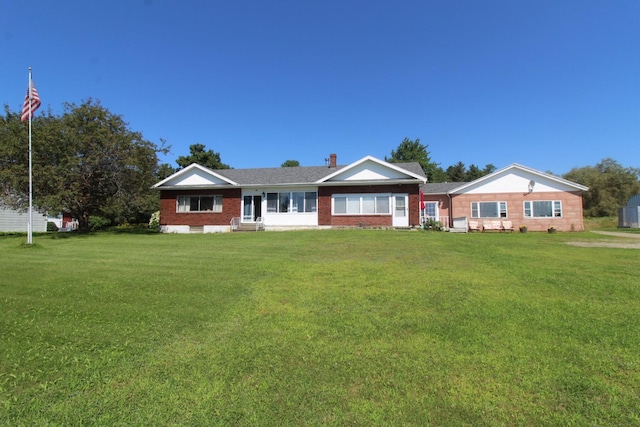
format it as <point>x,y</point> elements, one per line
<point>252,208</point>
<point>400,210</point>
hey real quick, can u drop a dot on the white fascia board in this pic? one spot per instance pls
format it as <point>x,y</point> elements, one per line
<point>195,187</point>
<point>330,184</point>
<point>187,170</point>
<point>367,183</point>
<point>282,184</point>
<point>375,160</point>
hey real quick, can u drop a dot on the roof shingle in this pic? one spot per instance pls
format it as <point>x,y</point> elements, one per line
<point>294,175</point>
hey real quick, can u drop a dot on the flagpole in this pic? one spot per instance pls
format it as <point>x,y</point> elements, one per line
<point>30,227</point>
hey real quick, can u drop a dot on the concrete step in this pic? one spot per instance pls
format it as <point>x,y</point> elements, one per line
<point>248,227</point>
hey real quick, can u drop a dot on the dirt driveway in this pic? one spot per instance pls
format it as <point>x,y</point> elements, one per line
<point>633,241</point>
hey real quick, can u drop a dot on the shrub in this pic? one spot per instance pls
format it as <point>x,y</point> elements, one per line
<point>51,226</point>
<point>98,223</point>
<point>432,224</point>
<point>154,221</point>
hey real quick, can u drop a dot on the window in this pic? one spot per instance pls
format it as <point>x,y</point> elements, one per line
<point>368,204</point>
<point>383,205</point>
<point>310,201</point>
<point>543,209</point>
<point>272,202</point>
<point>297,201</point>
<point>489,210</point>
<point>283,202</point>
<point>361,204</point>
<point>292,201</point>
<point>431,209</point>
<point>199,203</point>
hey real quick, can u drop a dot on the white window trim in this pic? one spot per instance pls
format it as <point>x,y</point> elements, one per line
<point>217,207</point>
<point>497,202</point>
<point>361,196</point>
<point>290,210</point>
<point>436,210</point>
<point>553,209</point>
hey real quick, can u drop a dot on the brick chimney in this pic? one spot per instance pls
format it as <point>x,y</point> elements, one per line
<point>333,160</point>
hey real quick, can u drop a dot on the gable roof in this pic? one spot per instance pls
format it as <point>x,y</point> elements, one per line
<point>522,172</point>
<point>513,172</point>
<point>371,169</point>
<point>194,175</point>
<point>518,174</point>
<point>197,176</point>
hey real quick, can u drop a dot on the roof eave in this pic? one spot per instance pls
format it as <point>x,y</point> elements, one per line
<point>370,182</point>
<point>294,184</point>
<point>196,187</point>
<point>523,168</point>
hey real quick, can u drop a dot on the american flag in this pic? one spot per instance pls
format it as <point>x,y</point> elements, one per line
<point>33,100</point>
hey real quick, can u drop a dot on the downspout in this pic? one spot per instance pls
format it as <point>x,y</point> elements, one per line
<point>450,210</point>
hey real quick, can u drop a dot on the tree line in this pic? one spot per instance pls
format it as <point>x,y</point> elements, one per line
<point>88,162</point>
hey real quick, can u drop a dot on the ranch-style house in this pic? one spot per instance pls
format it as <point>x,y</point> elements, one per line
<point>367,193</point>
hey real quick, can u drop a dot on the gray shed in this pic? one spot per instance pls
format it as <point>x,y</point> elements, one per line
<point>628,216</point>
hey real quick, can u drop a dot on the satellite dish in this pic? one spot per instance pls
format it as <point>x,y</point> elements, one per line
<point>532,184</point>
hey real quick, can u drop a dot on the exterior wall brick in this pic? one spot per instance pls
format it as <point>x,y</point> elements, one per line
<point>169,216</point>
<point>362,221</point>
<point>572,219</point>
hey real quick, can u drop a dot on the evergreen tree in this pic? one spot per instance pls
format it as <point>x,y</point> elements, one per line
<point>198,154</point>
<point>290,163</point>
<point>414,151</point>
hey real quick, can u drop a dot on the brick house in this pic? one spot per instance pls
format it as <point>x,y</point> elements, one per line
<point>367,193</point>
<point>516,193</point>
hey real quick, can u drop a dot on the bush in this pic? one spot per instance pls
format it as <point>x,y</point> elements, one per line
<point>432,224</point>
<point>51,226</point>
<point>154,221</point>
<point>98,223</point>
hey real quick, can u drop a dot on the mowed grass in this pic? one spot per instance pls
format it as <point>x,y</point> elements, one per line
<point>340,327</point>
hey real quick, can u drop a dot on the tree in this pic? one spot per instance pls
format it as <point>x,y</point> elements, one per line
<point>87,163</point>
<point>164,170</point>
<point>438,174</point>
<point>473,173</point>
<point>197,154</point>
<point>457,172</point>
<point>460,173</point>
<point>14,169</point>
<point>414,151</point>
<point>488,169</point>
<point>610,186</point>
<point>290,163</point>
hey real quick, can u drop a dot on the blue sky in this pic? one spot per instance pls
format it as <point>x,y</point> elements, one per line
<point>549,84</point>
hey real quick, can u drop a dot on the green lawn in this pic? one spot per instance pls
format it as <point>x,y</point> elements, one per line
<point>357,327</point>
